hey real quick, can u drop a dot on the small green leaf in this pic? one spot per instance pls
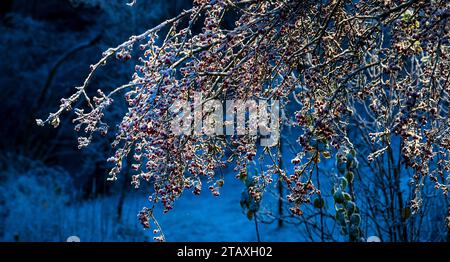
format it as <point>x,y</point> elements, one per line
<point>350,176</point>
<point>319,203</point>
<point>250,215</point>
<point>355,232</point>
<point>347,196</point>
<point>339,208</point>
<point>343,181</point>
<point>340,218</point>
<point>351,207</point>
<point>338,197</point>
<point>355,219</point>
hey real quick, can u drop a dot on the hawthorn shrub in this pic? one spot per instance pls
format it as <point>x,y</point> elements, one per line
<point>377,66</point>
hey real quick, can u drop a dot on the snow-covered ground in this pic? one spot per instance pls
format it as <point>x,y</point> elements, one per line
<point>209,218</point>
<point>36,213</point>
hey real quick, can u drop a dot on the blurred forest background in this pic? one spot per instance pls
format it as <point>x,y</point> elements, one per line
<point>50,190</point>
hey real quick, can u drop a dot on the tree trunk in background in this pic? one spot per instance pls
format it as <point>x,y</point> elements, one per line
<point>124,187</point>
<point>280,185</point>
